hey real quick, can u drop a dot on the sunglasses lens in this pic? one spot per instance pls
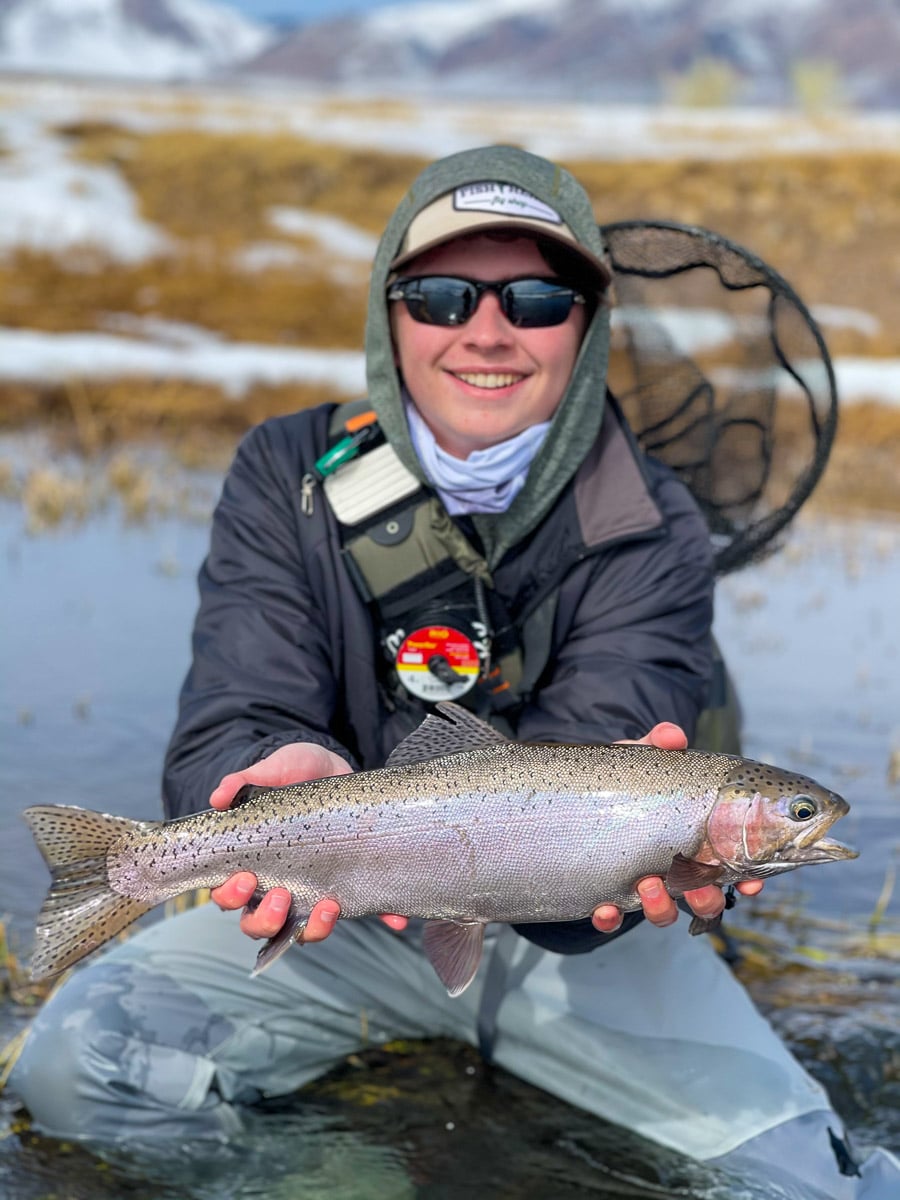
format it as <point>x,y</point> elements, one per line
<point>536,303</point>
<point>441,300</point>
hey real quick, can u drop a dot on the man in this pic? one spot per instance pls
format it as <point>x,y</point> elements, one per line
<point>508,514</point>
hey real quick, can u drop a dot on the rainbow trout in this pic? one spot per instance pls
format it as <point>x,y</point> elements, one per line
<point>461,827</point>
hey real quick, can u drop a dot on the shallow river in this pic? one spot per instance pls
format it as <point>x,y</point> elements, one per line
<point>95,626</point>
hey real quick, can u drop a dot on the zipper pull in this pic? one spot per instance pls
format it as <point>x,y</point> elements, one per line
<point>307,491</point>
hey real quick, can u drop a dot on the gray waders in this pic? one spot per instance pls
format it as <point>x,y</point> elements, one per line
<point>166,1036</point>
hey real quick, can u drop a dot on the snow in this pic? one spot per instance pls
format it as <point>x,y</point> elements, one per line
<point>51,202</point>
<point>99,38</point>
<point>342,238</point>
<point>438,26</point>
<point>169,350</point>
<point>857,379</point>
<point>32,356</point>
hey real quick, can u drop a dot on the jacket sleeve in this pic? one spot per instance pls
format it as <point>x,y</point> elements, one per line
<point>262,673</point>
<point>634,648</point>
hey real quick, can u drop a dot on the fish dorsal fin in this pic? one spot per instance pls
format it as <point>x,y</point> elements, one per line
<point>454,950</point>
<point>685,874</point>
<point>453,732</point>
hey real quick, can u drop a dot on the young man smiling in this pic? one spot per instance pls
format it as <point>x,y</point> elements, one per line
<point>487,380</point>
<point>501,499</point>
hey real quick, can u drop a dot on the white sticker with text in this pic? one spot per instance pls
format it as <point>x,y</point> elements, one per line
<point>503,198</point>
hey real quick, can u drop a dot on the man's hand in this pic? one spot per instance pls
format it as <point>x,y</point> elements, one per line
<point>295,763</point>
<point>659,907</point>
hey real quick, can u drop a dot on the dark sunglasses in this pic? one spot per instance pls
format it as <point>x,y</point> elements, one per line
<point>450,300</point>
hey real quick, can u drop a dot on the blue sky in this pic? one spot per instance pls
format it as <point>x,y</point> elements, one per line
<point>299,10</point>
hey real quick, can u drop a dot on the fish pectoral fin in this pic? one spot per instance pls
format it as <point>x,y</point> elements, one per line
<point>290,932</point>
<point>454,950</point>
<point>686,874</point>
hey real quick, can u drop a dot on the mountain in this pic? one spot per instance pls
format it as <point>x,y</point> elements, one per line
<point>136,39</point>
<point>604,50</point>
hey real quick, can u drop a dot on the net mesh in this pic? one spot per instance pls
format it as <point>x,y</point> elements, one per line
<point>724,375</point>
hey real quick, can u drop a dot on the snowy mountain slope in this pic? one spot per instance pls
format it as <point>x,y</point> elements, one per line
<point>138,39</point>
<point>622,50</point>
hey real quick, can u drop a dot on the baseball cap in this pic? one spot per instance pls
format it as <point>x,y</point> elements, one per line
<point>484,206</point>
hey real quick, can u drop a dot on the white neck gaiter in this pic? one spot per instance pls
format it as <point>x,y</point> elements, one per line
<point>488,480</point>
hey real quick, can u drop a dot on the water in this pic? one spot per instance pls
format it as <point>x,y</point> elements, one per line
<point>96,621</point>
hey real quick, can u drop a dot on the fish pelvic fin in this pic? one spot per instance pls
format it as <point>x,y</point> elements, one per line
<point>289,934</point>
<point>454,949</point>
<point>81,911</point>
<point>700,925</point>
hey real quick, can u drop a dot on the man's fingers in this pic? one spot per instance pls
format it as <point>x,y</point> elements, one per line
<point>394,921</point>
<point>665,736</point>
<point>322,920</point>
<point>229,787</point>
<point>706,901</point>
<point>236,891</point>
<point>668,736</point>
<point>607,918</point>
<point>269,915</point>
<point>659,907</point>
<point>752,887</point>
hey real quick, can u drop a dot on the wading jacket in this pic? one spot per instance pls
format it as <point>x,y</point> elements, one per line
<point>619,572</point>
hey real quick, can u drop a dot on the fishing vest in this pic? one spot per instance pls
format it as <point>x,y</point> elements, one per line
<point>445,632</point>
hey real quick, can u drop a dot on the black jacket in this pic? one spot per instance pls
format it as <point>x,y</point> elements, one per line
<point>284,648</point>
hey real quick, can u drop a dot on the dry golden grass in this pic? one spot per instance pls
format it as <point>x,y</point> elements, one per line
<point>830,225</point>
<point>198,421</point>
<point>220,185</point>
<point>103,423</point>
<point>277,306</point>
<point>862,473</point>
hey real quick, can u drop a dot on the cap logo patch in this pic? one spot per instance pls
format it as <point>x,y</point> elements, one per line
<point>504,198</point>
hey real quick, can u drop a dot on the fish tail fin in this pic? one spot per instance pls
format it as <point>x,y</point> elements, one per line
<point>81,911</point>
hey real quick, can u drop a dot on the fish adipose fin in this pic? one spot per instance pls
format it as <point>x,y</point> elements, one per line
<point>453,732</point>
<point>290,933</point>
<point>81,911</point>
<point>454,950</point>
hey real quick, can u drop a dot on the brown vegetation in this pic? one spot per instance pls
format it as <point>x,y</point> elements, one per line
<point>200,184</point>
<point>830,224</point>
<point>277,306</point>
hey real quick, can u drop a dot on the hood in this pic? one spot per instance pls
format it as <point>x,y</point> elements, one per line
<point>577,421</point>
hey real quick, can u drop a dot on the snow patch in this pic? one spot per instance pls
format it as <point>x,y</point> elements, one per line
<point>438,26</point>
<point>101,38</point>
<point>31,356</point>
<point>340,237</point>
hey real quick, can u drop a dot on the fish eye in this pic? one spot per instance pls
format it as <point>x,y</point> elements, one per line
<point>803,807</point>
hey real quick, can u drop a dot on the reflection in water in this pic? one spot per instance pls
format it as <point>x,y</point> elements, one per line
<point>100,619</point>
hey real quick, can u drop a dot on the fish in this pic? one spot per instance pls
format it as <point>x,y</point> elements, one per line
<point>461,827</point>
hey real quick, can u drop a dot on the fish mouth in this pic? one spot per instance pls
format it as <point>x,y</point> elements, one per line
<point>824,850</point>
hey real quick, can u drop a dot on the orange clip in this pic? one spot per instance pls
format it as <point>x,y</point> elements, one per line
<point>360,421</point>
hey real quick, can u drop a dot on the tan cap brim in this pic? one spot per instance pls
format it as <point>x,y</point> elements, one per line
<point>458,213</point>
